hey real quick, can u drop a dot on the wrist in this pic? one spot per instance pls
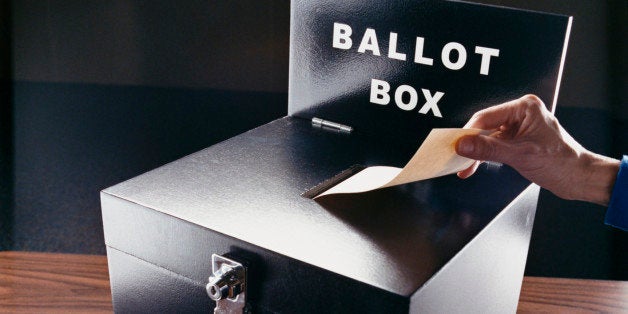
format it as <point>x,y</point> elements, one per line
<point>600,173</point>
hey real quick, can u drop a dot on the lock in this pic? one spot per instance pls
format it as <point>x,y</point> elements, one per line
<point>227,285</point>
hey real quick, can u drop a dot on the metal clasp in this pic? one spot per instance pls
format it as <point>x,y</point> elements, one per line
<point>227,285</point>
<point>326,124</point>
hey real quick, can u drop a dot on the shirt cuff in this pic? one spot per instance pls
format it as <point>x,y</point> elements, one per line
<point>617,213</point>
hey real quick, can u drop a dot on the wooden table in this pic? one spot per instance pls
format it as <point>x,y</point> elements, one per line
<point>69,283</point>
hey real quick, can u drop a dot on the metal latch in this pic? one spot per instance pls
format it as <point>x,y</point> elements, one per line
<point>227,285</point>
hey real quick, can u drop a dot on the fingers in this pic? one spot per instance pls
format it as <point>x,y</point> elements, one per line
<point>494,117</point>
<point>478,147</point>
<point>469,171</point>
<point>513,111</point>
<point>481,147</point>
<point>512,121</point>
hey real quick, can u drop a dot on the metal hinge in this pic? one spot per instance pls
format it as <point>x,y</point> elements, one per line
<point>326,124</point>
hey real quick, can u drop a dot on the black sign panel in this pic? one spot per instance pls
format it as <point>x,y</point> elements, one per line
<point>397,69</point>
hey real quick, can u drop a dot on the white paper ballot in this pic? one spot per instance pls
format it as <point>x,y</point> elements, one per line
<point>436,157</point>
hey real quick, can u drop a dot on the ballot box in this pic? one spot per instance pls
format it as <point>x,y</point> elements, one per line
<point>236,227</point>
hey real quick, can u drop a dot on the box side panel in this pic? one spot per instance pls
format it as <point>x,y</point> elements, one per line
<point>485,276</point>
<point>151,247</point>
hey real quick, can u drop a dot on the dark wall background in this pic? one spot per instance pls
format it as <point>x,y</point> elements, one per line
<point>105,90</point>
<point>6,149</point>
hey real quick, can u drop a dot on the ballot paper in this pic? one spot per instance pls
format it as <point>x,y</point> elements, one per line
<point>435,157</point>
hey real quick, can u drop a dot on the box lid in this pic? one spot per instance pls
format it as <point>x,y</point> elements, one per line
<point>461,56</point>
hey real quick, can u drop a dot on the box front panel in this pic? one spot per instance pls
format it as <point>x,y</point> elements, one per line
<point>161,263</point>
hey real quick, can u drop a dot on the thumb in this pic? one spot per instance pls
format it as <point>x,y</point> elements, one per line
<point>481,147</point>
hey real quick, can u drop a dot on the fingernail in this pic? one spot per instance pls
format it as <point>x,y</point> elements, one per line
<point>465,146</point>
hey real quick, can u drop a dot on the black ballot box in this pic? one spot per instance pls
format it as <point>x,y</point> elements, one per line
<point>234,227</point>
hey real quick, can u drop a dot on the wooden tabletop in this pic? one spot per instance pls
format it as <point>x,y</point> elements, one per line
<point>69,283</point>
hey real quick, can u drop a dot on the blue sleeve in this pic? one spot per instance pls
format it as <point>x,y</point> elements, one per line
<point>617,213</point>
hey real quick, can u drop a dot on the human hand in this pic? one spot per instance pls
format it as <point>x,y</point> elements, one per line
<point>531,140</point>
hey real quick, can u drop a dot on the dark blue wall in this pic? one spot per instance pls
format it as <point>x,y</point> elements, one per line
<point>73,140</point>
<point>6,125</point>
<point>103,91</point>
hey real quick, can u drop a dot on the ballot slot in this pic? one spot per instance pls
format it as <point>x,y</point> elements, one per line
<point>333,181</point>
<point>435,157</point>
